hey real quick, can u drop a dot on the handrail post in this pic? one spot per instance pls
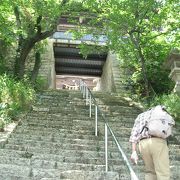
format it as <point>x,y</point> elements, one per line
<point>86,95</point>
<point>80,86</point>
<point>96,121</point>
<point>84,90</point>
<point>106,148</point>
<point>90,104</point>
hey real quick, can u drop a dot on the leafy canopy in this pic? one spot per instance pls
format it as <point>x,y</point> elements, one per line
<point>142,33</point>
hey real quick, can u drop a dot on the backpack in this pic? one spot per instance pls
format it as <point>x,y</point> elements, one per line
<point>159,123</point>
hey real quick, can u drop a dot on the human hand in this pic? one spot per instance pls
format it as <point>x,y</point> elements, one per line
<point>134,157</point>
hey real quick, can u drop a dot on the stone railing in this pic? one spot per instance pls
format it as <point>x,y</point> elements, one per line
<point>173,63</point>
<point>66,86</point>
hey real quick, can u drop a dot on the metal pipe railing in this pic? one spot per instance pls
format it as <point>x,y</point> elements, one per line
<point>90,106</point>
<point>90,98</point>
<point>106,146</point>
<point>96,120</point>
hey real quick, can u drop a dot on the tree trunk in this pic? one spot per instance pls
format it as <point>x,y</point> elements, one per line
<point>19,66</point>
<point>23,50</point>
<point>37,65</point>
<point>142,60</point>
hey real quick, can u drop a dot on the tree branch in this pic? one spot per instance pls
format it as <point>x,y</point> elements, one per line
<point>38,24</point>
<point>162,33</point>
<point>135,41</point>
<point>17,15</point>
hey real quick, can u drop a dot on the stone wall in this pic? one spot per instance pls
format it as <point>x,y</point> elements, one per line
<point>47,69</point>
<point>113,77</point>
<point>173,63</point>
<point>107,79</point>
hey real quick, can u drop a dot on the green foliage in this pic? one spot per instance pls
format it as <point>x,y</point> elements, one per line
<point>40,84</point>
<point>85,50</point>
<point>2,125</point>
<point>25,23</point>
<point>155,52</point>
<point>142,34</point>
<point>171,102</point>
<point>6,22</point>
<point>15,96</point>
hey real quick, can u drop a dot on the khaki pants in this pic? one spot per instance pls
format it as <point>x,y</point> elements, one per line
<point>155,154</point>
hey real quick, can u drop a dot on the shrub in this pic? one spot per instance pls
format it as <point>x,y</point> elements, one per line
<point>15,96</point>
<point>40,84</point>
<point>171,102</point>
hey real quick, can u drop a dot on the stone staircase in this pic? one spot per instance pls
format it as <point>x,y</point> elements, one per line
<point>121,113</point>
<point>55,140</point>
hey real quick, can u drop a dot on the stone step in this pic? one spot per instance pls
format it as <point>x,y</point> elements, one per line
<point>63,121</point>
<point>111,100</point>
<point>91,154</point>
<point>66,144</point>
<point>60,102</point>
<point>53,133</point>
<point>70,112</point>
<point>81,104</point>
<point>60,122</point>
<point>78,104</point>
<point>59,110</point>
<point>23,144</point>
<point>122,135</point>
<point>75,127</point>
<point>44,171</point>
<point>35,162</point>
<point>28,158</point>
<point>39,173</point>
<point>14,170</point>
<point>89,175</point>
<point>59,135</point>
<point>45,164</point>
<point>57,116</point>
<point>61,92</point>
<point>53,127</point>
<point>84,112</point>
<point>120,121</point>
<point>8,177</point>
<point>12,177</point>
<point>71,122</point>
<point>70,117</point>
<point>71,138</point>
<point>60,97</point>
<point>121,108</point>
<point>27,172</point>
<point>66,153</point>
<point>125,144</point>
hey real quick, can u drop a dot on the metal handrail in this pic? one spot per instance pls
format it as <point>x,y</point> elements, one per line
<point>87,94</point>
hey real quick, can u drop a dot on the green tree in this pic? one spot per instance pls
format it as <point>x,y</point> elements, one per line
<point>6,33</point>
<point>135,30</point>
<point>26,23</point>
<point>35,20</point>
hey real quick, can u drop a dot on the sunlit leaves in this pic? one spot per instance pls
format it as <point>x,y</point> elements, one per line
<point>152,25</point>
<point>14,97</point>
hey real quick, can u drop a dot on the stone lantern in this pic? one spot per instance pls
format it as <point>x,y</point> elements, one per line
<point>173,62</point>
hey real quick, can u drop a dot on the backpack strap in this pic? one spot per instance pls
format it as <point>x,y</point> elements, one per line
<point>145,126</point>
